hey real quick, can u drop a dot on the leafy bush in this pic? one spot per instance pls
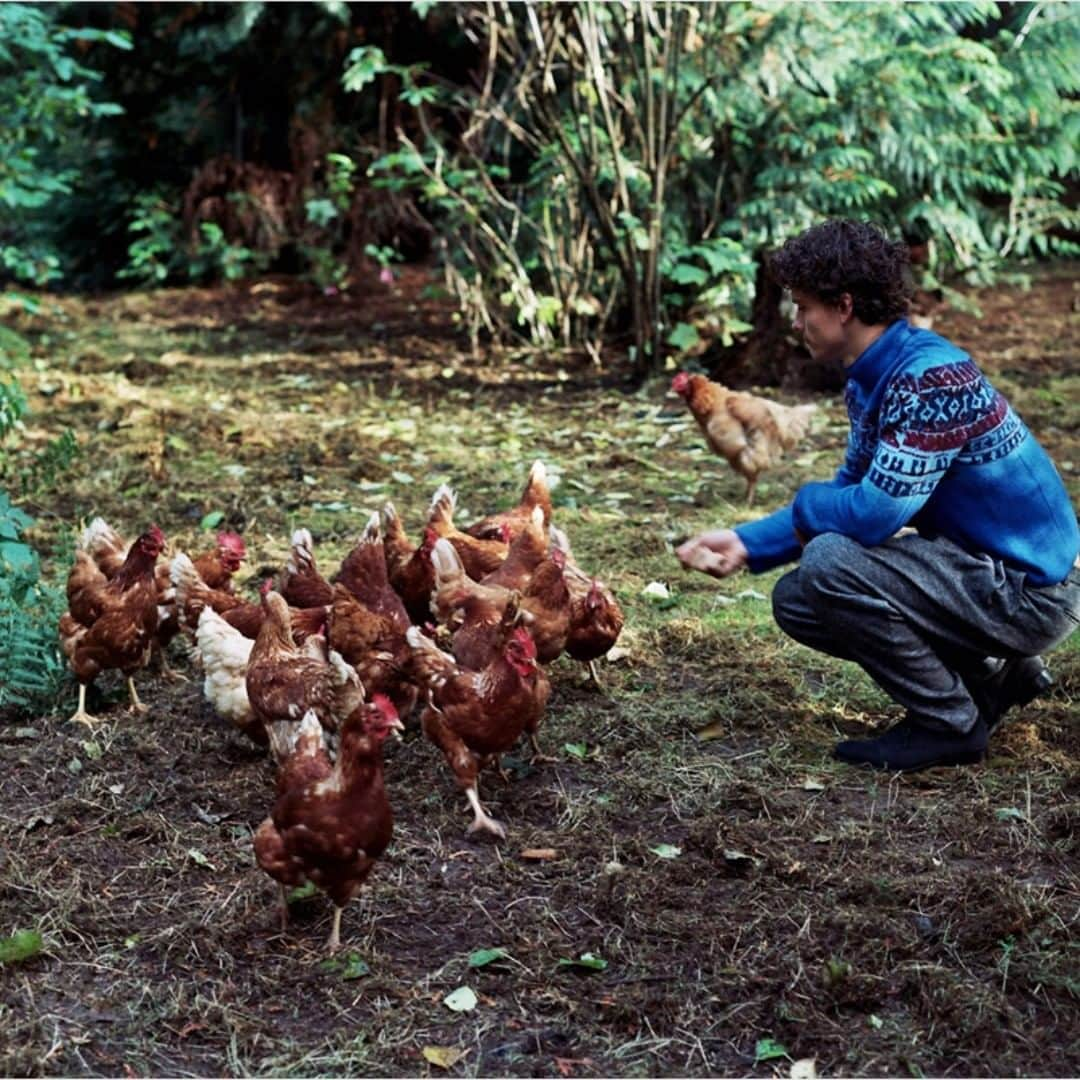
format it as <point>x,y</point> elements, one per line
<point>49,104</point>
<point>31,665</point>
<point>586,185</point>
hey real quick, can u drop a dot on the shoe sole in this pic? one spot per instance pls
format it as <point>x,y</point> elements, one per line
<point>970,757</point>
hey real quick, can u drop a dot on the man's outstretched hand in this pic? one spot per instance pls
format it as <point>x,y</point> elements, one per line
<point>717,553</point>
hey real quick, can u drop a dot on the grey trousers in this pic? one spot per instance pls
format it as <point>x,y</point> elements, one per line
<point>923,618</point>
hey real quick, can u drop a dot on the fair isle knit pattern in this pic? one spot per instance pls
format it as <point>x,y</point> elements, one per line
<point>925,420</point>
<point>934,446</point>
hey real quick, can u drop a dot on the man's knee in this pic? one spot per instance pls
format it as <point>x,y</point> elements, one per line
<point>827,560</point>
<point>788,602</point>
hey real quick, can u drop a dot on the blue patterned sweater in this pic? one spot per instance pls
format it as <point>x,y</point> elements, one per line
<point>932,445</point>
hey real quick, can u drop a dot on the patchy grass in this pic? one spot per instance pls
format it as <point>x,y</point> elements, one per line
<point>739,885</point>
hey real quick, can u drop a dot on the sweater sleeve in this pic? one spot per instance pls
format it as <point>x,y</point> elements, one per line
<point>921,432</point>
<point>771,541</point>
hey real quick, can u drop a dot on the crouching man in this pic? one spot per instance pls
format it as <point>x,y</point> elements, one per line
<point>950,615</point>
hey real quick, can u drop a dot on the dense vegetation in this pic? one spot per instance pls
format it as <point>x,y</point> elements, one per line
<point>586,173</point>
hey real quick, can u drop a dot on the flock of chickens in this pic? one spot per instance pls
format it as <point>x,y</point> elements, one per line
<point>321,671</point>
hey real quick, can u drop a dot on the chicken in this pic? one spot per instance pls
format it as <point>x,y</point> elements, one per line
<point>330,824</point>
<point>367,621</point>
<point>596,620</point>
<point>302,752</point>
<point>751,433</point>
<point>535,493</point>
<point>193,595</point>
<point>302,585</point>
<point>409,568</point>
<point>473,716</point>
<point>216,567</point>
<point>224,652</point>
<point>479,556</point>
<point>527,570</point>
<point>284,679</point>
<point>111,624</point>
<point>525,556</point>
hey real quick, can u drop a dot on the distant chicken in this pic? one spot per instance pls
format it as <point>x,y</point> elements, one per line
<point>474,716</point>
<point>330,823</point>
<point>529,570</point>
<point>216,567</point>
<point>193,595</point>
<point>284,679</point>
<point>751,433</point>
<point>366,619</point>
<point>302,585</point>
<point>535,493</point>
<point>596,620</point>
<point>112,623</point>
<point>409,568</point>
<point>479,556</point>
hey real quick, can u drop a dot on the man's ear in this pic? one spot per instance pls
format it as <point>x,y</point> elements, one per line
<point>846,306</point>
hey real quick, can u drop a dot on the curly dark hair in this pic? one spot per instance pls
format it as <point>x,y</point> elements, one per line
<point>840,256</point>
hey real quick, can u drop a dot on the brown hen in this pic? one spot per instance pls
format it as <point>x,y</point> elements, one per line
<point>330,824</point>
<point>112,623</point>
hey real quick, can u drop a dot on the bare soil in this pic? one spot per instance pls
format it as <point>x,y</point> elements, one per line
<point>754,903</point>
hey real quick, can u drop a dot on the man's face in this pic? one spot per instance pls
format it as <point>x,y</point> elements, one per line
<point>824,327</point>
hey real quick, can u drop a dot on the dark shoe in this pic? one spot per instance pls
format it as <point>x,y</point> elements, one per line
<point>909,746</point>
<point>1015,683</point>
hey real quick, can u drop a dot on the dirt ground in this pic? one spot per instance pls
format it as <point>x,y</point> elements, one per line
<point>752,907</point>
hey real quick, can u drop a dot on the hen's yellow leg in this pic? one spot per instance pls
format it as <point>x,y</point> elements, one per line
<point>81,716</point>
<point>136,704</point>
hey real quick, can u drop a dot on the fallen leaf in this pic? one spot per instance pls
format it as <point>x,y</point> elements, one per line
<point>445,1057</point>
<point>463,999</point>
<point>539,854</point>
<point>483,957</point>
<point>196,856</point>
<point>715,730</point>
<point>767,1049</point>
<point>666,851</point>
<point>586,960</point>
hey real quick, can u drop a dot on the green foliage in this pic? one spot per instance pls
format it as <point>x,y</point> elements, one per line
<point>31,669</point>
<point>324,237</point>
<point>155,252</point>
<point>48,103</point>
<point>633,164</point>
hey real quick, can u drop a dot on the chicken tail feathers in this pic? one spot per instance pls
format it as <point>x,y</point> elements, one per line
<point>99,537</point>
<point>441,510</point>
<point>302,554</point>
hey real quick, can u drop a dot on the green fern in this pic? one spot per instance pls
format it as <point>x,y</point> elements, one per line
<point>31,667</point>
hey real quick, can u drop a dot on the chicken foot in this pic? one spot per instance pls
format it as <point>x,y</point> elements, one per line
<point>482,821</point>
<point>81,716</point>
<point>136,704</point>
<point>334,943</point>
<point>539,757</point>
